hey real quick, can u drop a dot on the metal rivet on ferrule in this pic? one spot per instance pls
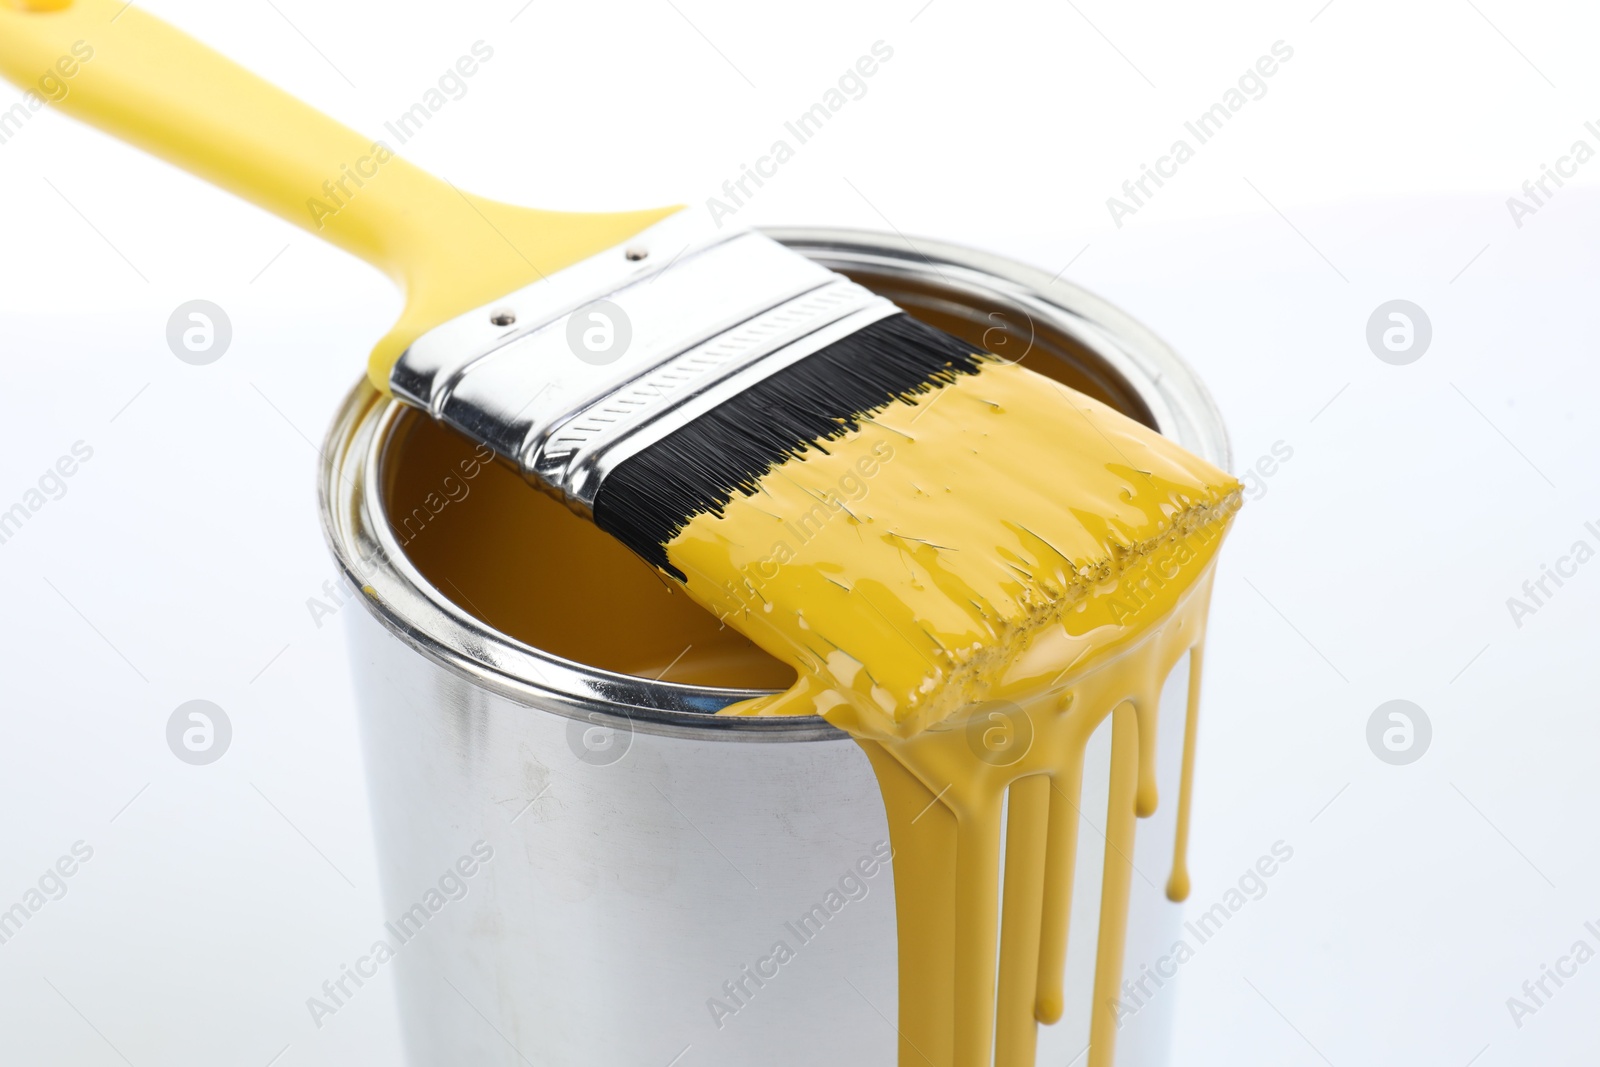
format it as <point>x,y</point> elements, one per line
<point>635,252</point>
<point>503,318</point>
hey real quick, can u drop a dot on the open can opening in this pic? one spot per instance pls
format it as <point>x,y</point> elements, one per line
<point>582,863</point>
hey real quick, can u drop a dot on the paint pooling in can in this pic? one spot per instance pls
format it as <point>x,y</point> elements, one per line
<point>522,562</point>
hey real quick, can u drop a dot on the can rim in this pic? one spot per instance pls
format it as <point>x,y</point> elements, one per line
<point>401,599</point>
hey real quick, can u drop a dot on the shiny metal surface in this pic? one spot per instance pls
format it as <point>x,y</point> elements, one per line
<point>689,319</point>
<point>643,866</point>
<point>635,877</point>
<point>578,454</point>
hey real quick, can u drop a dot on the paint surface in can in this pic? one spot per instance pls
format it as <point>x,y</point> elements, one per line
<point>521,562</point>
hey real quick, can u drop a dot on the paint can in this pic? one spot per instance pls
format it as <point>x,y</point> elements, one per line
<point>583,864</point>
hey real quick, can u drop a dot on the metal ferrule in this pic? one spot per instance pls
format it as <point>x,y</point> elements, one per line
<point>694,319</point>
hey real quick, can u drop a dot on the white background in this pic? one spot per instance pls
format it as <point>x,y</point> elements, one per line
<point>1376,565</point>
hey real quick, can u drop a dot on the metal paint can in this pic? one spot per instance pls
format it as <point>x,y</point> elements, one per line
<point>579,866</point>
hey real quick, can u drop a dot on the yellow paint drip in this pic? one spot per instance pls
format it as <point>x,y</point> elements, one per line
<point>970,584</point>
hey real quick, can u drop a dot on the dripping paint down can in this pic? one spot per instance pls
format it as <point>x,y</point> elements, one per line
<point>581,862</point>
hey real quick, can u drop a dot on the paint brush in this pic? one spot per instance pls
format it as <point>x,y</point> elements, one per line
<point>931,536</point>
<point>647,367</point>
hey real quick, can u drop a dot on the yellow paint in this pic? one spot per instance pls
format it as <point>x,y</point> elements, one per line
<point>970,584</point>
<point>522,562</point>
<point>138,78</point>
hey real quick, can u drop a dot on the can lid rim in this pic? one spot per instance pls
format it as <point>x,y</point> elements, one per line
<point>400,598</point>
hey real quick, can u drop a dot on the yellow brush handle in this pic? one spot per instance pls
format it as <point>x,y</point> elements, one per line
<point>138,78</point>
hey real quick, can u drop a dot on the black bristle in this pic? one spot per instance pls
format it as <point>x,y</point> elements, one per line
<point>649,497</point>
